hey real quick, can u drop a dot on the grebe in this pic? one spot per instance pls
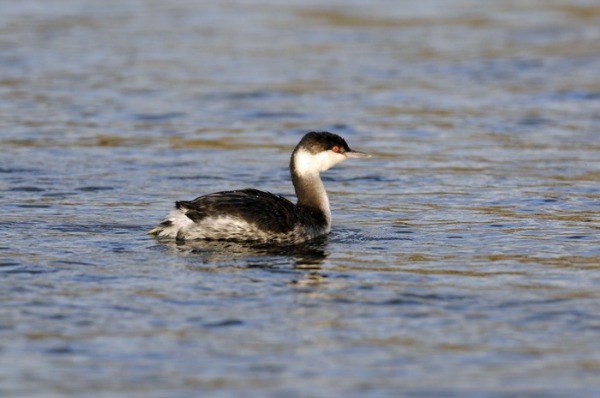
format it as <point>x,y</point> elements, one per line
<point>253,215</point>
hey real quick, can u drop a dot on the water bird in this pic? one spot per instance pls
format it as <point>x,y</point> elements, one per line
<point>251,215</point>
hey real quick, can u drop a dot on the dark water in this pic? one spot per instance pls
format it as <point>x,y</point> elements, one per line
<point>464,256</point>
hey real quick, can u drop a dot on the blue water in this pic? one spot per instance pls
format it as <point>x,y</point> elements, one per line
<point>463,258</point>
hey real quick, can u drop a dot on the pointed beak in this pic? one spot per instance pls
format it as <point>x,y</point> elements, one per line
<point>356,154</point>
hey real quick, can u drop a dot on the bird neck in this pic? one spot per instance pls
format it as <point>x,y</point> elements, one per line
<point>311,193</point>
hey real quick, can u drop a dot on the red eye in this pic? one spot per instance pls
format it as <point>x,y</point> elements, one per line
<point>336,149</point>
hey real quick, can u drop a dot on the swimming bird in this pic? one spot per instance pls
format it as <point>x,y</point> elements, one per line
<point>251,215</point>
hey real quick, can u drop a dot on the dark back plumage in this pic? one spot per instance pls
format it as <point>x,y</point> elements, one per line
<point>271,212</point>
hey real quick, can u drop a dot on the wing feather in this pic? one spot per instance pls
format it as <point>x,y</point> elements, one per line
<point>272,212</point>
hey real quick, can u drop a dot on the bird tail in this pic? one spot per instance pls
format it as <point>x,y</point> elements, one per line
<point>171,225</point>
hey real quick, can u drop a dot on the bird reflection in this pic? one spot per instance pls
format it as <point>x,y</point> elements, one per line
<point>308,256</point>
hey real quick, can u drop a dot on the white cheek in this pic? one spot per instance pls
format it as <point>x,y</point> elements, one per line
<point>326,160</point>
<point>307,163</point>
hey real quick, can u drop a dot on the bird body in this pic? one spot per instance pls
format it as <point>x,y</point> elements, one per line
<point>253,215</point>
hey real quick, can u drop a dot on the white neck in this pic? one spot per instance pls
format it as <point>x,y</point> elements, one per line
<point>306,168</point>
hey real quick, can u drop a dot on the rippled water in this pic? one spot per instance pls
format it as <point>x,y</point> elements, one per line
<point>464,256</point>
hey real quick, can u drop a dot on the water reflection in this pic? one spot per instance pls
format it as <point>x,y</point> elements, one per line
<point>306,256</point>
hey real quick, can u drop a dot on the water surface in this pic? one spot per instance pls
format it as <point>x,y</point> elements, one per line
<point>463,259</point>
